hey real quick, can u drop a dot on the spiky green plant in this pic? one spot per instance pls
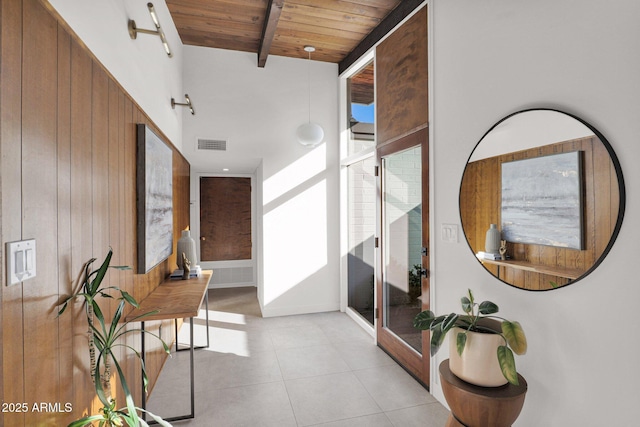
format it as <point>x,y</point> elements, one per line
<point>105,337</point>
<point>108,337</point>
<point>511,332</point>
<point>92,288</point>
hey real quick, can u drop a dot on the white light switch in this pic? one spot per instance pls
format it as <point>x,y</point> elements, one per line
<point>450,233</point>
<point>28,259</point>
<point>21,261</point>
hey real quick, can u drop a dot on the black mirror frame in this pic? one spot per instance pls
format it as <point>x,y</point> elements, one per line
<point>621,189</point>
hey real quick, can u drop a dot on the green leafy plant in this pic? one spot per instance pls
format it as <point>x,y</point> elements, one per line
<point>92,288</point>
<point>511,332</point>
<point>415,281</point>
<point>105,337</point>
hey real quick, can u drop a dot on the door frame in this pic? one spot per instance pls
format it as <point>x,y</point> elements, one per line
<point>346,161</point>
<point>195,223</point>
<point>419,365</point>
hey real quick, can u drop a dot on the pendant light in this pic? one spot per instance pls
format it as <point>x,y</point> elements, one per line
<point>310,134</point>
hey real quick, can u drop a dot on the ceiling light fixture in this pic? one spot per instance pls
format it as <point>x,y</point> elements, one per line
<point>310,134</point>
<point>133,30</point>
<point>184,104</point>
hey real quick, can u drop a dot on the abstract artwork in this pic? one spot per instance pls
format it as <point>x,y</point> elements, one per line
<point>154,199</point>
<point>542,200</point>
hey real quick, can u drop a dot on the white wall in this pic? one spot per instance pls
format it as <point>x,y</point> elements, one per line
<point>533,129</point>
<point>495,57</point>
<point>257,111</point>
<point>141,66</point>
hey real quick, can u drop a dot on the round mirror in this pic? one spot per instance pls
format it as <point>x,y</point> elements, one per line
<point>542,199</point>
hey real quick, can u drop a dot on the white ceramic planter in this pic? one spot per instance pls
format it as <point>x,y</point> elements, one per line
<point>187,245</point>
<point>478,364</point>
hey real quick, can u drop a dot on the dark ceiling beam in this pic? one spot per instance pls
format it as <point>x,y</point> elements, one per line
<point>396,16</point>
<point>271,18</point>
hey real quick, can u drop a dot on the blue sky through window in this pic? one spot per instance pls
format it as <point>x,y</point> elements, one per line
<point>363,113</point>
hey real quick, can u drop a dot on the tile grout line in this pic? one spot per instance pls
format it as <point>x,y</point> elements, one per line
<point>284,383</point>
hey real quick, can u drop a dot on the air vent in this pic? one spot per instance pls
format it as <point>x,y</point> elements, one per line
<point>232,276</point>
<point>212,144</point>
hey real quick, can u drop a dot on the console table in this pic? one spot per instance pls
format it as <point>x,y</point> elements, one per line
<point>175,299</point>
<point>474,406</point>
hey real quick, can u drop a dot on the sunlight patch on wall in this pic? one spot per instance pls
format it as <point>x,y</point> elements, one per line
<point>298,172</point>
<point>295,236</point>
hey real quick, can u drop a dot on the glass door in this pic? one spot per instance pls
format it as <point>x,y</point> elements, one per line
<point>402,283</point>
<point>361,213</point>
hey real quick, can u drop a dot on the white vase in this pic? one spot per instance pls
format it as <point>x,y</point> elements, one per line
<point>492,241</point>
<point>187,245</point>
<point>478,363</point>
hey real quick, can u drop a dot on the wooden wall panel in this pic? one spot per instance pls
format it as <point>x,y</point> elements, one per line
<point>114,167</point>
<point>402,87</point>
<point>39,209</point>
<point>480,206</point>
<point>112,160</point>
<point>65,274</point>
<point>11,135</point>
<point>100,165</point>
<point>67,137</point>
<point>81,222</point>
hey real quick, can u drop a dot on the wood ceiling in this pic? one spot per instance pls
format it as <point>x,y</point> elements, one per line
<point>338,29</point>
<point>362,86</point>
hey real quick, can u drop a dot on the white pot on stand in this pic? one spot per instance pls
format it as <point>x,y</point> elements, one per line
<point>478,363</point>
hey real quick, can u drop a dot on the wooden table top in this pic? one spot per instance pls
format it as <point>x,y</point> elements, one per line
<point>174,299</point>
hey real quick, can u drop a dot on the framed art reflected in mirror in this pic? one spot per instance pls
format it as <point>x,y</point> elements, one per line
<point>541,200</point>
<point>553,185</point>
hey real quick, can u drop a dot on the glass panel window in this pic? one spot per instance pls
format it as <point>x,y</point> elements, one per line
<point>361,110</point>
<point>362,224</point>
<point>402,244</point>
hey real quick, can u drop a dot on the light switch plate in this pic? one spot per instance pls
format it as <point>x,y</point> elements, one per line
<point>21,261</point>
<point>450,233</point>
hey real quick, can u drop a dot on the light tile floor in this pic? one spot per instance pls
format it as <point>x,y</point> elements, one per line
<point>306,370</point>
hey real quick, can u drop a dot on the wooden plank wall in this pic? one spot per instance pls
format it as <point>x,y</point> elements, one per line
<point>402,89</point>
<point>480,206</point>
<point>68,180</point>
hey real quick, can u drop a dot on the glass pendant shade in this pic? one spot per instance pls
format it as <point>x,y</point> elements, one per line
<point>310,134</point>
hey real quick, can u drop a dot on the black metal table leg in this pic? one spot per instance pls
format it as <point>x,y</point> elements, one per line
<point>191,378</point>
<point>198,347</point>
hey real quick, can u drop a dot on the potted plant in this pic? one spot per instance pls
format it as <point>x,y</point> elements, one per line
<point>482,351</point>
<point>91,288</point>
<point>105,337</point>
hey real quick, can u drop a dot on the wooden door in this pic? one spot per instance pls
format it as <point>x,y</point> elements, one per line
<point>225,218</point>
<point>402,283</point>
